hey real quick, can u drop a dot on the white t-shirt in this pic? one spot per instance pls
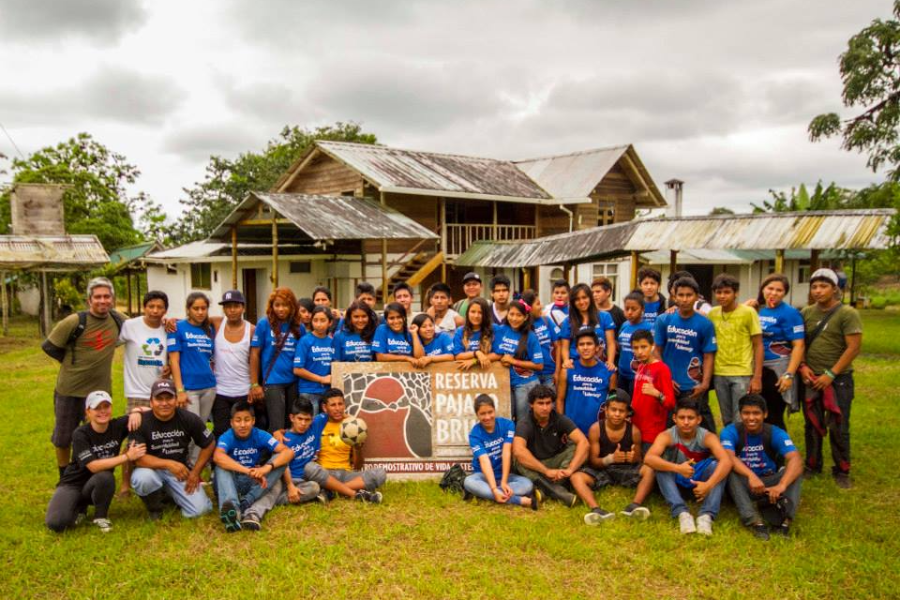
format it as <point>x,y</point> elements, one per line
<point>448,323</point>
<point>145,356</point>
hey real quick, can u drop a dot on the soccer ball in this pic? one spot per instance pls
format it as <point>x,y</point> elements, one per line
<point>354,431</point>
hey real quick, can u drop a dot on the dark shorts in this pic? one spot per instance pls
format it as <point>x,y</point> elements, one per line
<point>69,411</point>
<point>625,475</point>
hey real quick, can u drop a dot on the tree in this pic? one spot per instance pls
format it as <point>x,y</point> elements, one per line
<point>822,198</point>
<point>720,210</point>
<point>870,71</point>
<point>97,201</point>
<point>228,182</point>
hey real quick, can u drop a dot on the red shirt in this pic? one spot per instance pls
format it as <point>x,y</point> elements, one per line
<point>650,413</point>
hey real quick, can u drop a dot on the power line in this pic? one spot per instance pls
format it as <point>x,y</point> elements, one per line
<point>12,141</point>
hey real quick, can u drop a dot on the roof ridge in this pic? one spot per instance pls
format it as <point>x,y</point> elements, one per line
<point>576,153</point>
<point>396,149</point>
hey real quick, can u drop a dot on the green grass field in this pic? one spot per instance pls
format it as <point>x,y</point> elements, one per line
<point>423,543</point>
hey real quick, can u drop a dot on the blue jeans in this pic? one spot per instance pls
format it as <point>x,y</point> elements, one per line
<point>145,481</point>
<point>520,398</point>
<point>547,379</point>
<point>730,389</point>
<point>672,492</point>
<point>477,485</point>
<point>242,489</point>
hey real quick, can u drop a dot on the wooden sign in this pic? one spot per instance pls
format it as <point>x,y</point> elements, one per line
<point>419,419</point>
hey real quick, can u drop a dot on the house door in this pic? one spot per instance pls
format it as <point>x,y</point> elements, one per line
<point>249,286</point>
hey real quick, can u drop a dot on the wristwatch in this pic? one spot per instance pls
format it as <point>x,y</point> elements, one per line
<point>788,375</point>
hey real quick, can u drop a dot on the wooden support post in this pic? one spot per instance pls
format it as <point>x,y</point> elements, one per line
<point>234,263</point>
<point>779,261</point>
<point>443,218</point>
<point>4,303</point>
<point>635,266</point>
<point>567,268</point>
<point>673,261</point>
<point>45,297</point>
<point>128,284</point>
<point>813,267</point>
<point>852,282</point>
<point>494,232</point>
<point>274,249</point>
<point>526,278</point>
<point>139,305</point>
<point>384,272</point>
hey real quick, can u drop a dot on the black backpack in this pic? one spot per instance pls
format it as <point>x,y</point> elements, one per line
<point>768,447</point>
<point>58,354</point>
<point>453,478</point>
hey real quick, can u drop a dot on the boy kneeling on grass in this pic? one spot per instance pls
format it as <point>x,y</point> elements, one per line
<point>689,457</point>
<point>760,484</point>
<point>246,489</point>
<point>339,467</point>
<point>614,459</point>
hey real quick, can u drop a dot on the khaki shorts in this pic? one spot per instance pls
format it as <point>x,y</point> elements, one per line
<point>137,403</point>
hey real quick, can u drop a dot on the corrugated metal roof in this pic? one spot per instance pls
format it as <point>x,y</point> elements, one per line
<point>51,253</point>
<point>825,230</point>
<point>576,175</point>
<point>331,218</point>
<point>414,172</point>
<point>719,257</point>
<point>122,256</point>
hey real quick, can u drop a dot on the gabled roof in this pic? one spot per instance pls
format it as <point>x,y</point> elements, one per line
<point>51,253</point>
<point>328,218</point>
<point>576,175</point>
<point>128,254</point>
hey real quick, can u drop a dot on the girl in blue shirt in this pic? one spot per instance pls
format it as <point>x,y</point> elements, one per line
<point>312,360</point>
<point>353,342</point>
<point>429,345</point>
<point>517,347</point>
<point>584,315</point>
<point>473,341</point>
<point>392,340</point>
<point>191,357</point>
<point>548,336</point>
<point>634,315</point>
<point>491,442</point>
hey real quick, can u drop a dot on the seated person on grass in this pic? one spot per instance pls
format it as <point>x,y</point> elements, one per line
<point>548,447</point>
<point>584,386</point>
<point>246,489</point>
<point>688,457</point>
<point>615,459</point>
<point>491,441</point>
<point>338,462</point>
<point>89,478</point>
<point>759,478</point>
<point>165,469</point>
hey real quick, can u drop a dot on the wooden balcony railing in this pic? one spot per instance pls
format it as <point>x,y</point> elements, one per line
<point>460,237</point>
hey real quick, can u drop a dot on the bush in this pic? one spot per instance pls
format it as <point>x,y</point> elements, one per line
<point>878,302</point>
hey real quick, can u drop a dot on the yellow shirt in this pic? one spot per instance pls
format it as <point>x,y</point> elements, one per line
<point>734,358</point>
<point>334,453</point>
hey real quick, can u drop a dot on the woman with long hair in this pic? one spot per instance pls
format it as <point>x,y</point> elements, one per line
<point>584,315</point>
<point>312,360</point>
<point>547,334</point>
<point>472,343</point>
<point>517,347</point>
<point>429,344</point>
<point>392,340</point>
<point>353,341</point>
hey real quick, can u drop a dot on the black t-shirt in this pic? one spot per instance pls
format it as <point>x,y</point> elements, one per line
<point>170,439</point>
<point>89,445</point>
<point>618,316</point>
<point>607,446</point>
<point>548,441</point>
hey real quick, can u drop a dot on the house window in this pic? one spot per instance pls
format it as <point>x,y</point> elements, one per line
<point>608,270</point>
<point>201,276</point>
<point>301,266</point>
<point>606,215</point>
<point>557,273</point>
<point>803,271</point>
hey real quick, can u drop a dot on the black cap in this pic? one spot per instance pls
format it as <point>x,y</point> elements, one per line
<point>162,386</point>
<point>232,296</point>
<point>471,276</point>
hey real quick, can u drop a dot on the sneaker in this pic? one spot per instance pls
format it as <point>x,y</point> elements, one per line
<point>784,506</point>
<point>322,498</point>
<point>467,495</point>
<point>686,523</point>
<point>536,499</point>
<point>784,530</point>
<point>370,497</point>
<point>230,516</point>
<point>704,524</point>
<point>555,491</point>
<point>842,480</point>
<point>79,519</point>
<point>760,531</point>
<point>250,522</point>
<point>105,525</point>
<point>598,515</point>
<point>636,511</point>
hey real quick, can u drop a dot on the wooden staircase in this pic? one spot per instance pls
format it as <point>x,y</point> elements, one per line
<point>414,271</point>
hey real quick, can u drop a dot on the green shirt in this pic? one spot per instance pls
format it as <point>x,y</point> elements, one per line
<point>94,349</point>
<point>827,348</point>
<point>734,329</point>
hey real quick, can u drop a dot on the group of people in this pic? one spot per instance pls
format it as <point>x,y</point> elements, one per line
<point>601,395</point>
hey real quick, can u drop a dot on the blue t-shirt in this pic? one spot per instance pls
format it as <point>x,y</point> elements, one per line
<point>350,347</point>
<point>652,311</point>
<point>780,327</point>
<point>626,356</point>
<point>683,342</point>
<point>586,391</point>
<point>547,334</point>
<point>473,342</point>
<point>440,345</point>
<point>263,338</point>
<point>491,445</point>
<point>246,451</point>
<point>388,341</point>
<point>604,323</point>
<point>506,341</point>
<point>305,446</point>
<point>195,349</point>
<point>315,355</point>
<point>558,314</point>
<point>753,454</point>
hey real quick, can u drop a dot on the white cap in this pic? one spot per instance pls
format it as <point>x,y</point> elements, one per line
<point>95,399</point>
<point>825,274</point>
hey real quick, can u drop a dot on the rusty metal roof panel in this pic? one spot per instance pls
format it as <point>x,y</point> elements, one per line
<point>331,218</point>
<point>572,175</point>
<point>392,169</point>
<point>51,253</point>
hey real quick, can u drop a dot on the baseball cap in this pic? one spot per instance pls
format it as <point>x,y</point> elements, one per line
<point>471,276</point>
<point>826,274</point>
<point>232,296</point>
<point>162,386</point>
<point>95,399</point>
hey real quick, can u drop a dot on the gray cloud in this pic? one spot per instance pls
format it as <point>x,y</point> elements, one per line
<point>103,21</point>
<point>197,143</point>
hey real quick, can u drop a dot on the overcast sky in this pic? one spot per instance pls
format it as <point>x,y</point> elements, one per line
<point>716,93</point>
